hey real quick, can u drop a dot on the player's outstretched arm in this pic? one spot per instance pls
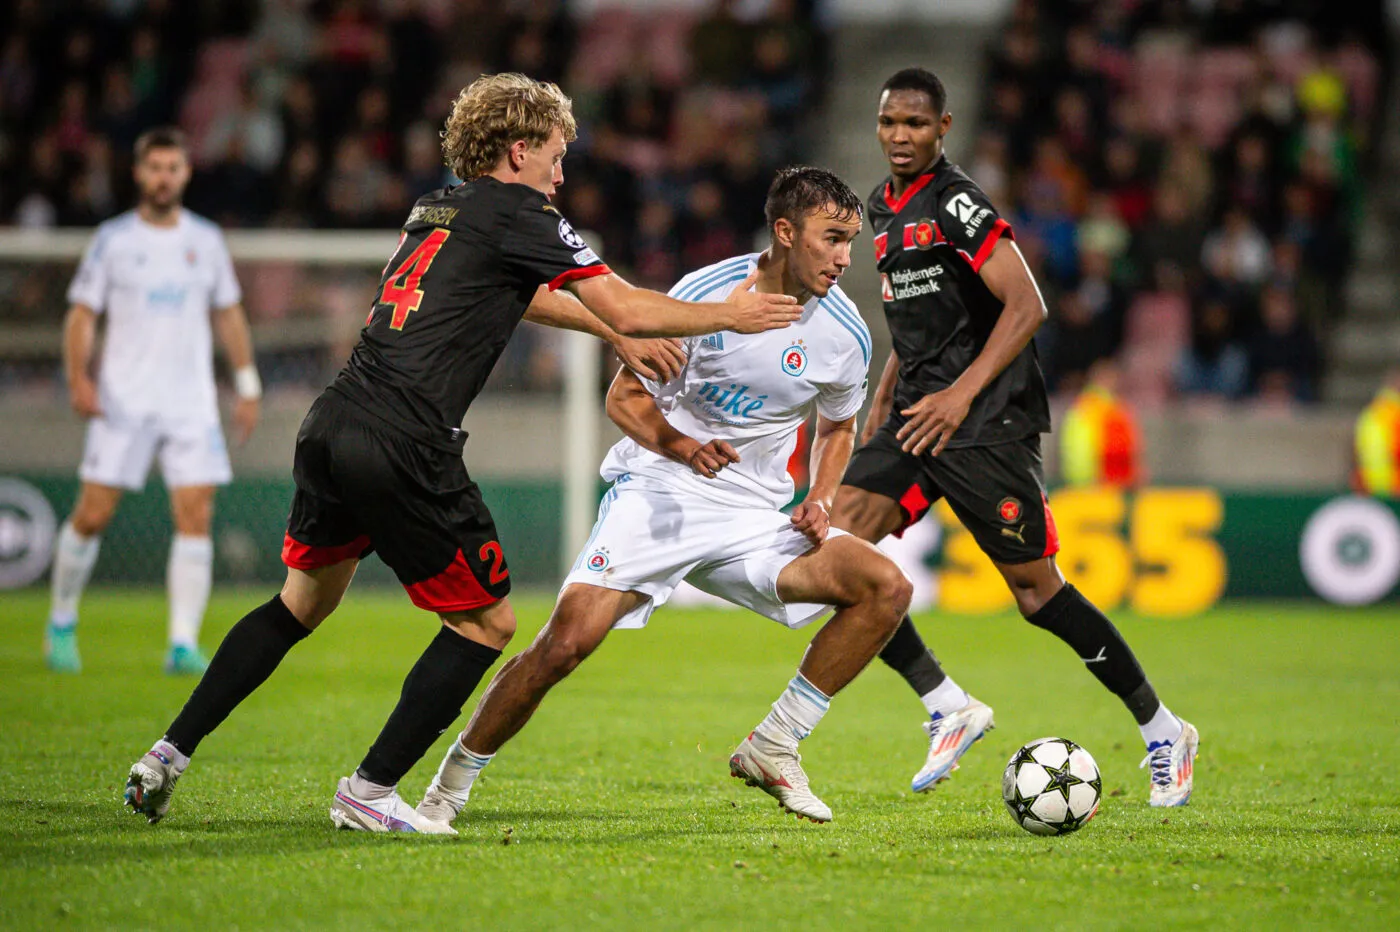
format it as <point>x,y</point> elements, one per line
<point>884,398</point>
<point>231,325</point>
<point>831,451</point>
<point>633,409</point>
<point>934,418</point>
<point>641,312</point>
<point>79,335</point>
<point>660,360</point>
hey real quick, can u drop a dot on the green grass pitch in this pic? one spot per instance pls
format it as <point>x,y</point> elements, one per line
<point>614,808</point>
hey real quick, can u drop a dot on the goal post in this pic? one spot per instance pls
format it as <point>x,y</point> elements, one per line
<point>335,270</point>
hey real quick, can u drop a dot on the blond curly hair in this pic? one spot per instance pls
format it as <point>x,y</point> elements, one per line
<point>494,111</point>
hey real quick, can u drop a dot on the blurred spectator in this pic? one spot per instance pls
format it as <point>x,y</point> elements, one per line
<point>1236,255</point>
<point>1215,364</point>
<point>1172,234</point>
<point>720,45</point>
<point>299,196</point>
<point>1251,182</point>
<point>354,183</point>
<point>706,236</point>
<point>656,245</point>
<point>1077,339</point>
<point>1102,230</point>
<point>778,79</point>
<point>422,160</point>
<point>1283,356</point>
<point>1126,182</point>
<point>250,134</point>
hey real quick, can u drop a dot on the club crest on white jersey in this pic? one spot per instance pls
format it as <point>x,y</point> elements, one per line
<point>795,359</point>
<point>731,389</point>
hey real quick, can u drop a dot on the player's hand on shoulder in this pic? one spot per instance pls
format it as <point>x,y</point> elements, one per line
<point>82,392</point>
<point>813,520</point>
<point>709,458</point>
<point>245,419</point>
<point>658,360</point>
<point>933,420</point>
<point>757,311</point>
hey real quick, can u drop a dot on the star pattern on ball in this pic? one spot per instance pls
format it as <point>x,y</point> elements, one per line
<point>1060,780</point>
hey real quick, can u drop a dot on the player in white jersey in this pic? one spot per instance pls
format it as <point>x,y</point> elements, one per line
<point>163,279</point>
<point>697,488</point>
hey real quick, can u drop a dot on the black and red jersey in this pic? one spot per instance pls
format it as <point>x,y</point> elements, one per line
<point>930,245</point>
<point>467,265</point>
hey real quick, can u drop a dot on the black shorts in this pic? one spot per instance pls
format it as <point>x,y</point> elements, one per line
<point>997,491</point>
<point>363,487</point>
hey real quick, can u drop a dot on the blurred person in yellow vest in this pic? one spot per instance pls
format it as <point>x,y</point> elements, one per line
<point>1378,441</point>
<point>1100,443</point>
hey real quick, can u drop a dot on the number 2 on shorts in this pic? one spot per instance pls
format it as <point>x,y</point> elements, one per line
<point>491,550</point>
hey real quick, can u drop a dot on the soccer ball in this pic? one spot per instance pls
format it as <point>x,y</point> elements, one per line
<point>1051,787</point>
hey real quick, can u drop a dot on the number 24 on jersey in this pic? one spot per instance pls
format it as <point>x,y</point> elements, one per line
<point>401,291</point>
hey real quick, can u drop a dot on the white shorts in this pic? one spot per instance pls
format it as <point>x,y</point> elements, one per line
<point>119,454</point>
<point>650,537</point>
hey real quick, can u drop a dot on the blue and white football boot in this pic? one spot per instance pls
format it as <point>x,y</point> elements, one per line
<point>949,738</point>
<point>1173,765</point>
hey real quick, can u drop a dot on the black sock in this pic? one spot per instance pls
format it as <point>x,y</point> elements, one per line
<point>249,653</point>
<point>1073,619</point>
<point>433,695</point>
<point>911,659</point>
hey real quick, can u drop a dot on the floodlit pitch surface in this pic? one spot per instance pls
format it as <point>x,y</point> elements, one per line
<point>614,807</point>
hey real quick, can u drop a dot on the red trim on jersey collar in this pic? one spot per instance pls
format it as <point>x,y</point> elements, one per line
<point>909,192</point>
<point>919,184</point>
<point>573,275</point>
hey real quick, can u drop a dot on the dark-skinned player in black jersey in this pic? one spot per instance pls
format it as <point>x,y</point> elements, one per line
<point>378,463</point>
<point>958,414</point>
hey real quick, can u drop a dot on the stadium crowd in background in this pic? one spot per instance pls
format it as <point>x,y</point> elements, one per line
<point>1183,176</point>
<point>1185,180</point>
<point>326,114</point>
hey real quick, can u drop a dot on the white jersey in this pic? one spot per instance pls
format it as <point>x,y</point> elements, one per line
<point>157,286</point>
<point>754,391</point>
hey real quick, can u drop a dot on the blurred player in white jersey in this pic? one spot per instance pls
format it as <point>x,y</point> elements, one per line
<point>697,487</point>
<point>161,276</point>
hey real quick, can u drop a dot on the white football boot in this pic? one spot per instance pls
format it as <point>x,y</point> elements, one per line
<point>386,814</point>
<point>440,804</point>
<point>150,784</point>
<point>779,774</point>
<point>1173,764</point>
<point>949,738</point>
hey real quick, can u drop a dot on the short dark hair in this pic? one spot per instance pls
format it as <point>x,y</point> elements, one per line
<point>918,79</point>
<point>160,137</point>
<point>800,189</point>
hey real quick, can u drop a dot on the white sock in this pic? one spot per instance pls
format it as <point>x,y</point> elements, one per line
<point>946,699</point>
<point>1163,729</point>
<point>73,558</point>
<point>188,576</point>
<point>171,755</point>
<point>367,789</point>
<point>459,770</point>
<point>795,714</point>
